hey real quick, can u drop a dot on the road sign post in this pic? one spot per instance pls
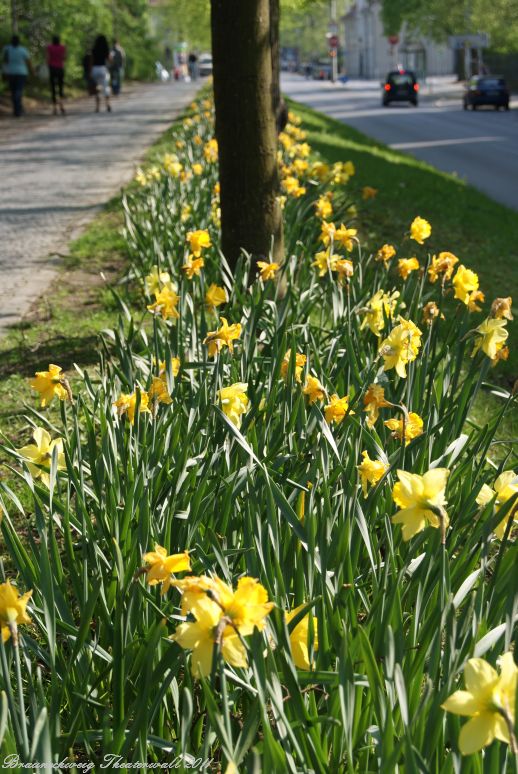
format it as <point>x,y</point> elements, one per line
<point>333,42</point>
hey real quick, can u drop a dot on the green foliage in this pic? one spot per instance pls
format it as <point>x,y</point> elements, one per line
<point>440,18</point>
<point>78,22</point>
<point>184,20</point>
<point>277,499</point>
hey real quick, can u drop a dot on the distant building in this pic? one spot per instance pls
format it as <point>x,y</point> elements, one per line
<point>370,54</point>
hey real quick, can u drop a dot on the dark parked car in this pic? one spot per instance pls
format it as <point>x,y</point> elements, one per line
<point>322,70</point>
<point>400,86</point>
<point>486,90</point>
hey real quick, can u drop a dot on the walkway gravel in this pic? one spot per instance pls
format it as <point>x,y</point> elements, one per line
<point>56,173</point>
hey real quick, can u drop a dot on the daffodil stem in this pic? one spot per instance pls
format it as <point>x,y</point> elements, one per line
<point>17,665</point>
<point>9,691</point>
<point>513,744</point>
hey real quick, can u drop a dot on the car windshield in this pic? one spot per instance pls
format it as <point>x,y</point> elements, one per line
<point>401,79</point>
<point>491,83</point>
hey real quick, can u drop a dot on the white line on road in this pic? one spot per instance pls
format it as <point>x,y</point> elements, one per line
<point>437,143</point>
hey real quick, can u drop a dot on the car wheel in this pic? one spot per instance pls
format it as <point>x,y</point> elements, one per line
<point>497,107</point>
<point>465,105</point>
<point>506,106</point>
<point>474,107</point>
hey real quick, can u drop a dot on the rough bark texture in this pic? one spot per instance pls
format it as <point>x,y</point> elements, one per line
<point>246,128</point>
<point>279,105</point>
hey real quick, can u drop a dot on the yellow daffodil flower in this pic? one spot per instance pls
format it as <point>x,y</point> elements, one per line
<point>127,404</point>
<point>175,366</point>
<point>344,237</point>
<point>489,701</point>
<point>382,305</point>
<point>344,269</point>
<point>324,208</point>
<point>268,270</point>
<point>171,164</point>
<point>156,280</point>
<point>420,230</point>
<point>465,282</point>
<point>224,336</point>
<point>421,499</point>
<point>13,608</point>
<point>401,347</point>
<point>385,254</point>
<point>158,391</point>
<point>210,151</point>
<point>197,169</point>
<point>337,409</point>
<point>505,487</point>
<point>291,186</point>
<point>300,362</point>
<point>313,389</point>
<point>442,264</point>
<point>198,241</point>
<point>208,629</point>
<point>193,266</point>
<point>411,426</point>
<point>215,296</point>
<point>165,304</point>
<point>327,234</point>
<point>373,400</point>
<point>324,262</point>
<point>491,335</point>
<point>299,638</point>
<point>161,566</point>
<point>39,455</point>
<point>51,384</point>
<point>407,265</point>
<point>234,401</point>
<point>370,471</point>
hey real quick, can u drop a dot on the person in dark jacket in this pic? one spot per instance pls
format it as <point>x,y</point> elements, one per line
<point>100,72</point>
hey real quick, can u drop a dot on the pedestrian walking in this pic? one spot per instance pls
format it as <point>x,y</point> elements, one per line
<point>193,66</point>
<point>16,67</point>
<point>56,55</point>
<point>100,72</point>
<point>117,62</point>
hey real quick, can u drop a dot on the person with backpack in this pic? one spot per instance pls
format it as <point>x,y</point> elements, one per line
<point>56,55</point>
<point>16,67</point>
<point>117,61</point>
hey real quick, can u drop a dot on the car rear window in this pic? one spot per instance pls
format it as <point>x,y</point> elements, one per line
<point>401,79</point>
<point>491,83</point>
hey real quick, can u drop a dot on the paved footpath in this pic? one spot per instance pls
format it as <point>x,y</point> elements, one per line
<point>56,172</point>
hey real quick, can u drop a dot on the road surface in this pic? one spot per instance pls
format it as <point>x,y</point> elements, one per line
<point>480,146</point>
<point>57,171</point>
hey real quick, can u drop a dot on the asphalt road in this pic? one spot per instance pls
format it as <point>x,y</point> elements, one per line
<point>56,172</point>
<point>480,146</point>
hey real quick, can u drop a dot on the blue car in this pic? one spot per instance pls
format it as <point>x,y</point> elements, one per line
<point>486,90</point>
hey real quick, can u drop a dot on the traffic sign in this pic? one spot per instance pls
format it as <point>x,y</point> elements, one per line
<point>472,41</point>
<point>333,41</point>
<point>393,40</point>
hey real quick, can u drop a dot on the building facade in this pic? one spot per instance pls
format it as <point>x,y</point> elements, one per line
<point>368,52</point>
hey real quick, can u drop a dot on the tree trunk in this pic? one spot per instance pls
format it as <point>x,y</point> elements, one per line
<point>251,217</point>
<point>279,106</point>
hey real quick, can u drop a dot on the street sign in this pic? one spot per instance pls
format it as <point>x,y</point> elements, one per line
<point>333,41</point>
<point>393,40</point>
<point>472,41</point>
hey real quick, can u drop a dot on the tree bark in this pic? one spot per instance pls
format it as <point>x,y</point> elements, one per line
<point>279,106</point>
<point>251,217</point>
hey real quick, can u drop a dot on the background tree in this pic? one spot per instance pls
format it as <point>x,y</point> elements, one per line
<point>440,18</point>
<point>244,95</point>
